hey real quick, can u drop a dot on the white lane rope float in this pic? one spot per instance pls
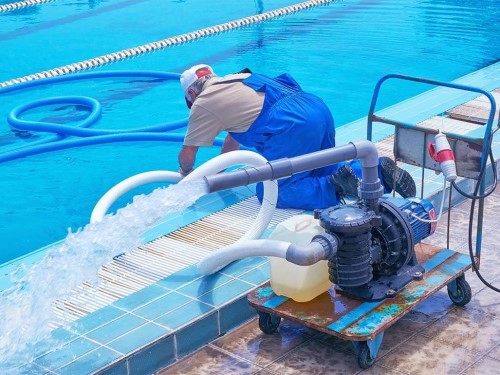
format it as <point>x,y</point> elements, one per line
<point>165,43</point>
<point>22,4</point>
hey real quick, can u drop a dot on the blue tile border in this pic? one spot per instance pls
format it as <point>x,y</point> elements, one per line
<point>235,313</point>
<point>96,319</point>
<point>139,337</point>
<point>180,278</point>
<point>199,333</point>
<point>59,358</point>
<point>161,306</point>
<point>115,328</point>
<point>141,297</point>
<point>90,363</point>
<point>156,356</point>
<point>184,315</point>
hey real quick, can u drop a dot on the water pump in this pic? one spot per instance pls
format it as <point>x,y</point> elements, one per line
<point>376,257</point>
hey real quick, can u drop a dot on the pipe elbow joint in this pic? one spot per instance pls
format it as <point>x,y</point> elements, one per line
<point>322,247</point>
<point>329,242</point>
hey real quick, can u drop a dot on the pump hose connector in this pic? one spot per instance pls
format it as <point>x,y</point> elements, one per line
<point>329,242</point>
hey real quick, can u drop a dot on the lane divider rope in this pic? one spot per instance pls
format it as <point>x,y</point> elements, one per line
<point>165,43</point>
<point>22,4</point>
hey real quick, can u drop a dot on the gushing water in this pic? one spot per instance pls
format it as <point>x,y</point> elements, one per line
<point>26,309</point>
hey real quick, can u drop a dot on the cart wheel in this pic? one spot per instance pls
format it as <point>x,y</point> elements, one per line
<point>268,323</point>
<point>464,293</point>
<point>365,359</point>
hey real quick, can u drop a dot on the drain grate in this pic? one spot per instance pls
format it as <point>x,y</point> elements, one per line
<point>162,257</point>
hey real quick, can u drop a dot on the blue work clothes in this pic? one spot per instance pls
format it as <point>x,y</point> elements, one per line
<point>292,123</point>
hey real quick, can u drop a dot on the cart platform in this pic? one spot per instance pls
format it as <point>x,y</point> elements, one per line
<point>364,322</point>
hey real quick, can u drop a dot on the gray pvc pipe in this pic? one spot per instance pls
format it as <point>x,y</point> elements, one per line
<point>275,170</point>
<point>322,247</point>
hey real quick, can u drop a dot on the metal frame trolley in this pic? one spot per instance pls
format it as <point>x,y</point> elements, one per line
<point>361,321</point>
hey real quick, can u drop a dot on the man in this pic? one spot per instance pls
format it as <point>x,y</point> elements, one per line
<point>278,119</point>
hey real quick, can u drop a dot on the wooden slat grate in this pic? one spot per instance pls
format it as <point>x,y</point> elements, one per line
<point>162,257</point>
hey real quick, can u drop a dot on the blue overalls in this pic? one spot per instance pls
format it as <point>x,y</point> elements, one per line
<point>291,123</point>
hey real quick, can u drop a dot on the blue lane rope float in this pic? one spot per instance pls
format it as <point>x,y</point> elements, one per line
<point>165,43</point>
<point>156,132</point>
<point>105,74</point>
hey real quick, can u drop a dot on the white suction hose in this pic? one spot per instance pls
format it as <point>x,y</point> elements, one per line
<point>321,247</point>
<point>252,159</point>
<point>239,250</point>
<point>211,167</point>
<point>128,184</point>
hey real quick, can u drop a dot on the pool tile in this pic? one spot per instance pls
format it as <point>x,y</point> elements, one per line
<point>32,369</point>
<point>180,278</point>
<point>204,285</point>
<point>161,306</point>
<point>154,357</point>
<point>197,334</point>
<point>239,267</point>
<point>226,293</point>
<point>233,314</point>
<point>57,339</point>
<point>184,314</point>
<point>117,368</point>
<point>258,275</point>
<point>138,338</point>
<point>90,363</point>
<point>63,355</point>
<point>116,328</point>
<point>96,319</point>
<point>141,297</point>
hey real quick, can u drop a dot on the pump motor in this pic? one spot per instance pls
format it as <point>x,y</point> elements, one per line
<point>376,256</point>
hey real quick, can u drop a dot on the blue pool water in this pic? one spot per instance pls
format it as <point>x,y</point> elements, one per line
<point>338,51</point>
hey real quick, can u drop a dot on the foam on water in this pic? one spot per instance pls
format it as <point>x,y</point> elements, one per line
<point>27,307</point>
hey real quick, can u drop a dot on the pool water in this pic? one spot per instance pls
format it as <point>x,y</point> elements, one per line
<point>337,51</point>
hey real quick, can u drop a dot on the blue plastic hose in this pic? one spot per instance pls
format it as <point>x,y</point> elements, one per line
<point>91,136</point>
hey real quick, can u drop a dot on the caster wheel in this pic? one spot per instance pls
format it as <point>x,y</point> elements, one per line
<point>365,359</point>
<point>268,323</point>
<point>463,294</point>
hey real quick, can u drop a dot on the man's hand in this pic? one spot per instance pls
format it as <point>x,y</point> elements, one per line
<point>183,173</point>
<point>187,157</point>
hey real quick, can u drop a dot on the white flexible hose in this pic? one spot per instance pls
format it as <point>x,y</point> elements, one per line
<point>253,159</point>
<point>212,166</point>
<point>239,250</point>
<point>128,184</point>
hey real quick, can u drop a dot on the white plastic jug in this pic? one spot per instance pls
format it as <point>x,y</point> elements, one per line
<point>300,283</point>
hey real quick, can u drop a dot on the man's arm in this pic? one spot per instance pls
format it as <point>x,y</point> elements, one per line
<point>230,144</point>
<point>187,157</point>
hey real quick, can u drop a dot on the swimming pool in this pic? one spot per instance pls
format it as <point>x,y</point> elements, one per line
<point>338,51</point>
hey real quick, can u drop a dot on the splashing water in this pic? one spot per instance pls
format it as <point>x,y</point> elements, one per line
<point>26,309</point>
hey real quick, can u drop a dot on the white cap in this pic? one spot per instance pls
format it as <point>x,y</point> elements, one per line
<point>194,73</point>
